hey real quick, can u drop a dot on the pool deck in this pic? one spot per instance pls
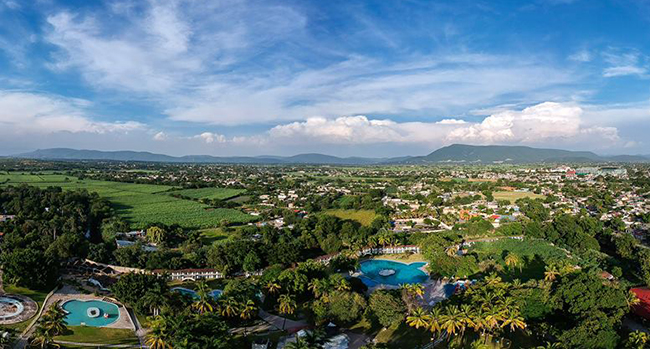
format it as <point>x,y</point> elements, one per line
<point>67,293</point>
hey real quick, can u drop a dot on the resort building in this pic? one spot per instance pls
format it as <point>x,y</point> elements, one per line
<point>190,274</point>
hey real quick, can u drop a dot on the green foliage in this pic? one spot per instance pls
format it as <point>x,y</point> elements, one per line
<point>388,307</point>
<point>30,268</point>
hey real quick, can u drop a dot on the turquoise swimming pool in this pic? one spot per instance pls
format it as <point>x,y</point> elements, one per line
<point>377,271</point>
<point>215,294</point>
<point>90,313</point>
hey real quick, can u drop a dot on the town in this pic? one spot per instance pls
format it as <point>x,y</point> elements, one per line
<point>321,256</point>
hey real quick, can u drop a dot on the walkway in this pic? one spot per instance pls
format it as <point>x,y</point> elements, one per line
<point>282,323</point>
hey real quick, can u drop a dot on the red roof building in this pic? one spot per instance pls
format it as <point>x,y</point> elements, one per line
<point>643,308</point>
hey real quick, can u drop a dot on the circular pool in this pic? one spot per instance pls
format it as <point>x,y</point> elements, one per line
<point>10,308</point>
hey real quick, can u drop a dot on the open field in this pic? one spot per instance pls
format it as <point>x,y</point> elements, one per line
<point>365,217</point>
<point>99,335</point>
<point>523,248</point>
<point>140,204</point>
<point>212,235</point>
<point>209,193</point>
<point>513,196</point>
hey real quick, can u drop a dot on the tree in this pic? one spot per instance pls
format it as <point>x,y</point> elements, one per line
<point>272,287</point>
<point>204,303</point>
<point>31,268</point>
<point>636,340</point>
<point>156,234</point>
<point>53,320</point>
<point>418,318</point>
<point>345,307</point>
<point>387,307</point>
<point>512,260</point>
<point>131,289</point>
<point>43,338</point>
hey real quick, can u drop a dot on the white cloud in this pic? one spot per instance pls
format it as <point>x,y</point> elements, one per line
<point>624,63</point>
<point>581,56</point>
<point>160,136</point>
<point>209,137</point>
<point>37,113</point>
<point>545,123</point>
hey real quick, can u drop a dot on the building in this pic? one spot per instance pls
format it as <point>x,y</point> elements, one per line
<point>643,308</point>
<point>191,274</point>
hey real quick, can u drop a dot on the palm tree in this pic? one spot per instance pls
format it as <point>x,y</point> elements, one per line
<point>342,285</point>
<point>637,339</point>
<point>452,251</point>
<point>54,320</point>
<point>247,309</point>
<point>452,320</point>
<point>514,322</point>
<point>204,303</point>
<point>161,333</point>
<point>287,306</point>
<point>551,273</point>
<point>154,302</point>
<point>434,320</point>
<point>300,343</point>
<point>418,318</point>
<point>43,338</point>
<point>229,307</point>
<point>493,280</point>
<point>272,287</point>
<point>512,260</point>
<point>631,299</point>
<point>318,287</point>
<point>550,345</point>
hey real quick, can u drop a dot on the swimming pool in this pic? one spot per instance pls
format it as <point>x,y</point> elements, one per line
<point>215,294</point>
<point>377,272</point>
<point>90,313</point>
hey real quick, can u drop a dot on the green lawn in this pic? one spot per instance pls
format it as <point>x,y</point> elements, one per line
<point>99,335</point>
<point>513,196</point>
<point>365,217</point>
<point>212,235</point>
<point>209,193</point>
<point>140,204</point>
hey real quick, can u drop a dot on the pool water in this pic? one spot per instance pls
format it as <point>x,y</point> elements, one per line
<point>77,313</point>
<point>215,294</point>
<point>403,273</point>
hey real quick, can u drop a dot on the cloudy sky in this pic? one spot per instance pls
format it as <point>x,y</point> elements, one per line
<point>348,78</point>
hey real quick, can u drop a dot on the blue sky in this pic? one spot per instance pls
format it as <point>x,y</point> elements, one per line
<point>348,78</point>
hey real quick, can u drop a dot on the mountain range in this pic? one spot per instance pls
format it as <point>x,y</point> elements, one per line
<point>452,154</point>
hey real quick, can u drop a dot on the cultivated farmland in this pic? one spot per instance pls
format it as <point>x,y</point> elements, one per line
<point>140,204</point>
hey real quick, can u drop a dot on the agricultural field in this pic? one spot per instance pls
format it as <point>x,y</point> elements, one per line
<point>365,217</point>
<point>140,204</point>
<point>513,196</point>
<point>209,193</point>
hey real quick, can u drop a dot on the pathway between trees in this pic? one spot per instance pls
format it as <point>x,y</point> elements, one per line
<point>282,323</point>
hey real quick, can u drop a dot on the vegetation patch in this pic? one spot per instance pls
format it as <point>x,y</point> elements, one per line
<point>513,196</point>
<point>98,335</point>
<point>209,193</point>
<point>365,217</point>
<point>140,204</point>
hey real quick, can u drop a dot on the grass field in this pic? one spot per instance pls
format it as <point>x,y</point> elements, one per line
<point>140,204</point>
<point>209,193</point>
<point>513,196</point>
<point>212,235</point>
<point>365,217</point>
<point>98,335</point>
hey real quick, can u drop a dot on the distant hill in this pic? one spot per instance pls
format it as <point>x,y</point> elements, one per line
<point>74,154</point>
<point>453,154</point>
<point>491,154</point>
